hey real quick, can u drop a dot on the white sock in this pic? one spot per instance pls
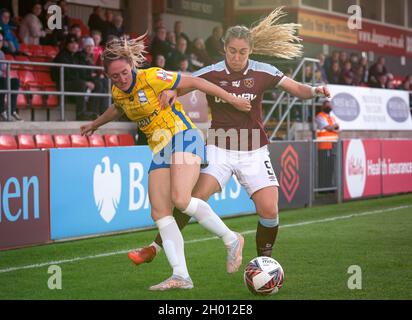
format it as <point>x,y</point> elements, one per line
<point>173,245</point>
<point>157,247</point>
<point>205,215</point>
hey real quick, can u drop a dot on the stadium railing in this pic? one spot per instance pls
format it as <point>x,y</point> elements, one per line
<point>62,93</point>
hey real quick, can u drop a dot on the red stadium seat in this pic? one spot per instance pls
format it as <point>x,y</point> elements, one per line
<point>96,140</point>
<point>79,141</point>
<point>126,140</point>
<point>44,141</point>
<point>26,141</point>
<point>22,101</point>
<point>44,78</point>
<point>36,50</point>
<point>9,57</point>
<point>8,142</point>
<point>23,59</point>
<point>62,141</point>
<point>27,78</point>
<point>111,140</point>
<point>51,51</point>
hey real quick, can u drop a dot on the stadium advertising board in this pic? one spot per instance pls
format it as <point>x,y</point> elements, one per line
<point>376,167</point>
<point>358,108</point>
<point>362,175</point>
<point>396,166</point>
<point>103,190</point>
<point>292,168</point>
<point>24,190</point>
<point>332,29</point>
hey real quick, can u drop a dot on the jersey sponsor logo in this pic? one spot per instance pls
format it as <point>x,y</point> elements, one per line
<point>142,97</point>
<point>224,83</point>
<point>146,121</point>
<point>236,84</point>
<point>247,96</point>
<point>165,75</point>
<point>249,83</point>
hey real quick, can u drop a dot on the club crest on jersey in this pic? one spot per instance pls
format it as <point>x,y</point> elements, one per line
<point>236,84</point>
<point>165,76</point>
<point>142,97</point>
<point>249,83</point>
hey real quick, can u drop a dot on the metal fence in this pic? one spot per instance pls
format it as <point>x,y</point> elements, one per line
<point>62,93</point>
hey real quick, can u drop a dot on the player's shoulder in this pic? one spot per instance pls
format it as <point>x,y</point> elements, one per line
<point>217,67</point>
<point>258,66</point>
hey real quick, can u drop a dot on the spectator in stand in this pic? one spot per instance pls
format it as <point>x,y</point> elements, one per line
<point>86,57</point>
<point>60,35</point>
<point>159,44</point>
<point>214,44</point>
<point>159,61</point>
<point>51,36</point>
<point>173,60</point>
<point>199,57</point>
<point>15,84</point>
<point>343,57</point>
<point>31,28</point>
<point>76,30</point>
<point>376,70</point>
<point>178,28</point>
<point>365,66</point>
<point>330,60</point>
<point>118,27</point>
<point>320,67</point>
<point>334,74</point>
<point>10,43</point>
<point>407,84</point>
<point>171,39</point>
<point>354,59</point>
<point>184,65</point>
<point>358,79</point>
<point>73,78</point>
<point>98,48</point>
<point>96,21</point>
<point>108,25</point>
<point>347,75</point>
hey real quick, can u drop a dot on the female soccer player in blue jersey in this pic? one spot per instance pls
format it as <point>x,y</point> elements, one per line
<point>177,146</point>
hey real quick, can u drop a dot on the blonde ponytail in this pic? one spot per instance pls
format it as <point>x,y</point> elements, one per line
<point>276,40</point>
<point>131,50</point>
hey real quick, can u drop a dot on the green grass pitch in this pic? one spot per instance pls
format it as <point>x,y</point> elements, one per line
<point>315,246</point>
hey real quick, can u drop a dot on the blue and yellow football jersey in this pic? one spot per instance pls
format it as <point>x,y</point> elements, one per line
<point>141,105</point>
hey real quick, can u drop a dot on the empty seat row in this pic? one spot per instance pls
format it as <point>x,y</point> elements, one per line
<point>48,141</point>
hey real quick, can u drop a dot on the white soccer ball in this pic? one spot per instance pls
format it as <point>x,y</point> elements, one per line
<point>263,276</point>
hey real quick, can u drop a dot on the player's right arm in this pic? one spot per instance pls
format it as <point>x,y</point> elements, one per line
<point>112,113</point>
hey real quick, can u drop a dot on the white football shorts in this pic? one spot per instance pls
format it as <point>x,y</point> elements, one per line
<point>253,169</point>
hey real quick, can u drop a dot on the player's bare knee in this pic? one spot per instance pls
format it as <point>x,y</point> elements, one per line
<point>269,213</point>
<point>180,200</point>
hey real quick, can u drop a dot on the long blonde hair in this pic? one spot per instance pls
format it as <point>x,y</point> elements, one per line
<point>131,50</point>
<point>269,37</point>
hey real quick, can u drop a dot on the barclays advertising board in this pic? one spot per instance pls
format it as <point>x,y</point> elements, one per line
<point>103,190</point>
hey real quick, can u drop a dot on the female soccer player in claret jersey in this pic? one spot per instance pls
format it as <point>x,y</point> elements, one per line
<point>237,142</point>
<point>177,145</point>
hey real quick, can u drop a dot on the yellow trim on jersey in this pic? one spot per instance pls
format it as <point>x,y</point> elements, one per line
<point>141,105</point>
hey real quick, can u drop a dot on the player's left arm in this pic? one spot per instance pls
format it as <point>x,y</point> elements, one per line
<point>303,91</point>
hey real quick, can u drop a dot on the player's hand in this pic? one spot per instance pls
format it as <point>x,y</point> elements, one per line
<point>87,130</point>
<point>167,98</point>
<point>241,104</point>
<point>322,91</point>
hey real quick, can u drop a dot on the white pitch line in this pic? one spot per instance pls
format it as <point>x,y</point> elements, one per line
<point>108,254</point>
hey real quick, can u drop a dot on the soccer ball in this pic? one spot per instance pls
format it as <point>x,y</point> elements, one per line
<point>263,276</point>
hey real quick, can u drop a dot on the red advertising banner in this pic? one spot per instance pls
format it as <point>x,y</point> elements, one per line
<point>332,29</point>
<point>24,198</point>
<point>361,168</point>
<point>396,166</point>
